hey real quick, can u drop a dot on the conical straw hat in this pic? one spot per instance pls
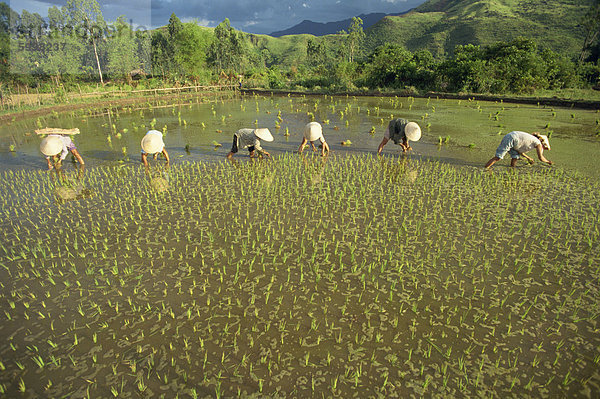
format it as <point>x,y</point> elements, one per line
<point>412,131</point>
<point>545,142</point>
<point>153,142</point>
<point>313,131</point>
<point>51,145</point>
<point>263,134</point>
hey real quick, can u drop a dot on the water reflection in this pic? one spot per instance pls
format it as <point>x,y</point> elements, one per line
<point>158,177</point>
<point>460,133</point>
<point>314,167</point>
<point>69,186</point>
<point>398,171</point>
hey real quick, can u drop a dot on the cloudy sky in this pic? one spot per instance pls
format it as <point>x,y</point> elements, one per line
<point>255,16</point>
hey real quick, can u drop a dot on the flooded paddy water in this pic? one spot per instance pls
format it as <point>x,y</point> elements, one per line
<point>459,132</point>
<point>301,276</point>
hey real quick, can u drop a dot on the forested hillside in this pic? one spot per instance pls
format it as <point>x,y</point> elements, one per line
<point>486,46</point>
<point>440,25</point>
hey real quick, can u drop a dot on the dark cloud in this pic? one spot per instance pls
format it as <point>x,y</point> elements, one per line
<point>256,16</point>
<point>265,16</point>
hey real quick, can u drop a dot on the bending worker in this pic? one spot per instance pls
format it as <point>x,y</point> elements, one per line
<point>517,143</point>
<point>56,147</point>
<point>400,131</point>
<point>153,143</point>
<point>313,132</point>
<point>250,139</point>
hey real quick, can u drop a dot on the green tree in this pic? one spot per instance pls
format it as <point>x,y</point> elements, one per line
<point>175,26</point>
<point>86,17</point>
<point>63,57</point>
<point>457,73</point>
<point>122,49</point>
<point>591,24</point>
<point>356,38</point>
<point>143,40</point>
<point>514,66</point>
<point>9,19</point>
<point>32,25</point>
<point>385,64</point>
<point>559,70</point>
<point>56,19</point>
<point>316,52</point>
<point>162,54</point>
<point>192,43</point>
<point>227,51</point>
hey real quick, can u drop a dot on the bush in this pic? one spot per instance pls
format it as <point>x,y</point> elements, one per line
<point>275,79</point>
<point>589,73</point>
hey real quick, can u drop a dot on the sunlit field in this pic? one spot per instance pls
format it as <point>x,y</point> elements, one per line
<point>406,275</point>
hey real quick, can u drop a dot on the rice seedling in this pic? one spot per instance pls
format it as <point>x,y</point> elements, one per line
<point>311,288</point>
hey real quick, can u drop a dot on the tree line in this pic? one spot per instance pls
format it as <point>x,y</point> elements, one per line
<point>74,44</point>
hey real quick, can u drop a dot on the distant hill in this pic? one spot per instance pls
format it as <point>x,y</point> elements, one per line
<point>440,25</point>
<point>328,28</point>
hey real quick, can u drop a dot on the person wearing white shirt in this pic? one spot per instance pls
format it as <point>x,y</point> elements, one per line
<point>313,131</point>
<point>517,143</point>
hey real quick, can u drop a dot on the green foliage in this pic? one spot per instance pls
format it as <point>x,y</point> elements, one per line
<point>275,78</point>
<point>162,53</point>
<point>513,67</point>
<point>122,49</point>
<point>57,19</point>
<point>65,58</point>
<point>591,25</point>
<point>4,56</point>
<point>85,16</point>
<point>316,52</point>
<point>32,25</point>
<point>175,26</point>
<point>440,25</point>
<point>226,52</point>
<point>8,18</point>
<point>189,46</point>
<point>356,38</point>
<point>393,66</point>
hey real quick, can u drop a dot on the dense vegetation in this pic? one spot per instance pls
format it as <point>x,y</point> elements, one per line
<point>75,45</point>
<point>440,25</point>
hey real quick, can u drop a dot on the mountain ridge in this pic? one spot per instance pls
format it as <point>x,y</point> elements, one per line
<point>329,28</point>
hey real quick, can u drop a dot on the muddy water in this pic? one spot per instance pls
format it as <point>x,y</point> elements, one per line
<point>344,276</point>
<point>469,131</point>
<point>350,276</point>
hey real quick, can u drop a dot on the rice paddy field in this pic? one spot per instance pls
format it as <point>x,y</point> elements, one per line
<point>458,132</point>
<point>352,275</point>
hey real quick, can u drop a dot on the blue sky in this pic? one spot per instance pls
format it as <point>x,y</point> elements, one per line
<point>254,16</point>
